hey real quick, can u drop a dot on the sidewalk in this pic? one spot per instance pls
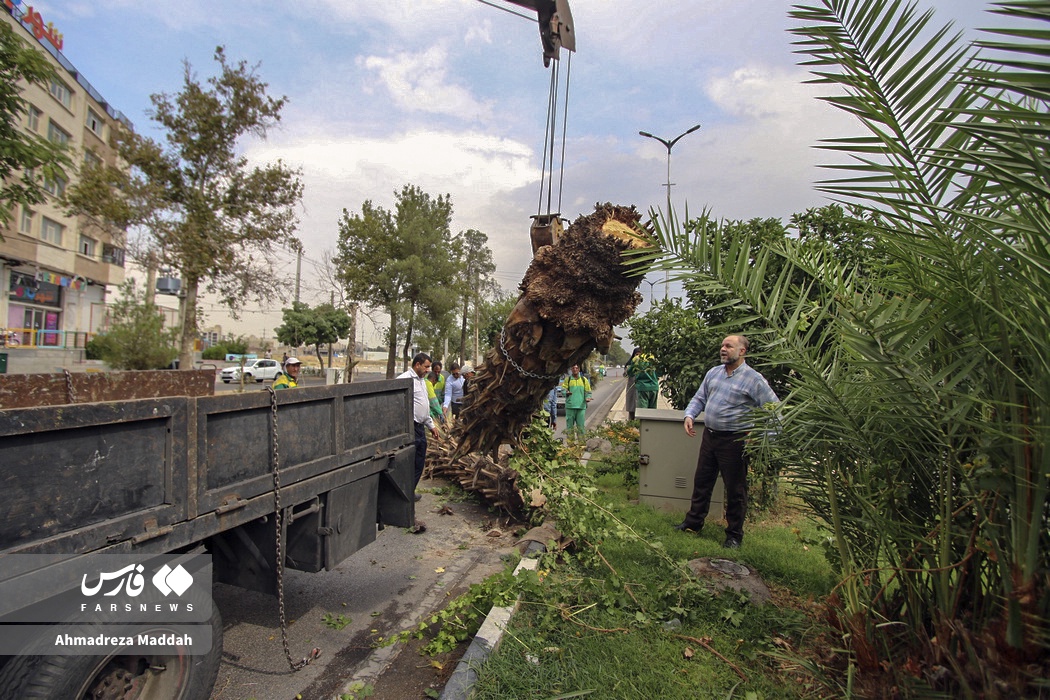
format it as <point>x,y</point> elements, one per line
<point>618,412</point>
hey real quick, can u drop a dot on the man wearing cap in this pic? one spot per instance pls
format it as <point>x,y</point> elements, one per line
<point>420,410</point>
<point>289,378</point>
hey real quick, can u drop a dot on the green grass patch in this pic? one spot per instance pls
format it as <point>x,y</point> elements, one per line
<point>621,616</point>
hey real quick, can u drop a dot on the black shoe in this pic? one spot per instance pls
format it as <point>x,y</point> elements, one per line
<point>419,497</point>
<point>731,543</point>
<point>682,527</point>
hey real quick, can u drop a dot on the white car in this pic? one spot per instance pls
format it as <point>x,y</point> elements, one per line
<point>258,370</point>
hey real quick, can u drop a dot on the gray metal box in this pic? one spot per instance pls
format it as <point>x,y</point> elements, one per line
<point>666,481</point>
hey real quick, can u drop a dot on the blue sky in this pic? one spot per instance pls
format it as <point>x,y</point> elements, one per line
<point>451,95</point>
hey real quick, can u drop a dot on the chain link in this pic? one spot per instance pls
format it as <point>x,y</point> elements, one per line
<point>521,370</point>
<point>301,663</point>
<point>70,391</point>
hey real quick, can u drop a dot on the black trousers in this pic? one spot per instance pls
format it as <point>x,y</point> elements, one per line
<point>421,451</point>
<point>720,453</point>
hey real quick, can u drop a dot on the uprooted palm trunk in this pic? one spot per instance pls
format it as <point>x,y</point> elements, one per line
<point>491,479</point>
<point>572,296</point>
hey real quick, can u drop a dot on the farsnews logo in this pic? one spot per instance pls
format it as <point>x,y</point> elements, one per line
<point>168,580</point>
<point>131,580</point>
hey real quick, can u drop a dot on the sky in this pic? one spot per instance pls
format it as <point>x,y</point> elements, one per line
<point>451,96</point>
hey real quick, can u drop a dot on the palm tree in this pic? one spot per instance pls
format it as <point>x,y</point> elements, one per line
<point>917,418</point>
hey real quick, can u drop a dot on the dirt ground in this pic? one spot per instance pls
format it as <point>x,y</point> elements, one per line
<point>412,675</point>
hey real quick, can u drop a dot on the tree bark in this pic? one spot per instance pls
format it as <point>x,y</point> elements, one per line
<point>572,296</point>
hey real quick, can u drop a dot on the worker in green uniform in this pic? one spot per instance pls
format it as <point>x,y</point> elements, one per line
<point>642,368</point>
<point>577,396</point>
<point>289,378</point>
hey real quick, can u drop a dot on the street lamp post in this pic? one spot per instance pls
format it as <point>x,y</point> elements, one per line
<point>650,283</point>
<point>668,144</point>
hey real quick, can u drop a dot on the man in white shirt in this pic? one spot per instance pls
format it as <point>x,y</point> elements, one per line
<point>420,410</point>
<point>453,390</point>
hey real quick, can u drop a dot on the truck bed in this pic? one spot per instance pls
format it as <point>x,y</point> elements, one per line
<point>163,473</point>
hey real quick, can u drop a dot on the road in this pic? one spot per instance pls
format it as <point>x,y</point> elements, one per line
<point>386,587</point>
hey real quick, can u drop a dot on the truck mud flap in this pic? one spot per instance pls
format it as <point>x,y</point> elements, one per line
<point>397,504</point>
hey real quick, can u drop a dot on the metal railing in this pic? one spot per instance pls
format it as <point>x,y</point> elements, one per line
<point>41,338</point>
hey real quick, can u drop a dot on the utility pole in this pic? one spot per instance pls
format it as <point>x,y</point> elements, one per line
<point>298,269</point>
<point>668,145</point>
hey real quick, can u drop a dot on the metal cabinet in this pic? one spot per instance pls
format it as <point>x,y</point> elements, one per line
<point>667,462</point>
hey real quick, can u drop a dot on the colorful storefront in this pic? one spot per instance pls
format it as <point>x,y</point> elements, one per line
<point>34,313</point>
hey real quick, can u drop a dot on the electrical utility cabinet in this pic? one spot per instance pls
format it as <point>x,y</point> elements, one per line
<point>667,462</point>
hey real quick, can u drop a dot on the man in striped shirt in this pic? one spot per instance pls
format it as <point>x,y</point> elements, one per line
<point>727,396</point>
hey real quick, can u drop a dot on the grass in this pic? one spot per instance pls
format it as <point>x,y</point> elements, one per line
<point>636,626</point>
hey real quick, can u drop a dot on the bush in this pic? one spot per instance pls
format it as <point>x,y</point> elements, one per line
<point>137,338</point>
<point>215,352</point>
<point>97,347</point>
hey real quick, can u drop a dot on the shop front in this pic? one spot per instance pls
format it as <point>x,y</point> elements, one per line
<point>34,308</point>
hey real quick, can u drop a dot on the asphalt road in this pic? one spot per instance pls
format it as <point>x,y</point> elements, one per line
<point>386,587</point>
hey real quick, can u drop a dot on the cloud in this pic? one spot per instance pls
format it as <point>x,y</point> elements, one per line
<point>419,82</point>
<point>762,93</point>
<point>475,168</point>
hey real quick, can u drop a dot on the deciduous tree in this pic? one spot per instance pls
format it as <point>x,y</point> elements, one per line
<point>214,218</point>
<point>317,326</point>
<point>399,262</point>
<point>135,337</point>
<point>26,159</point>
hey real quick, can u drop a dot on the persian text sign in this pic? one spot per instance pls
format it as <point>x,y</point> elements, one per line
<point>165,598</point>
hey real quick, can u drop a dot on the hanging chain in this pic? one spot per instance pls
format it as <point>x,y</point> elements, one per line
<point>521,370</point>
<point>70,391</point>
<point>301,663</point>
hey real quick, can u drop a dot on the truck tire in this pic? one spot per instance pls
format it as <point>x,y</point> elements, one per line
<point>184,677</point>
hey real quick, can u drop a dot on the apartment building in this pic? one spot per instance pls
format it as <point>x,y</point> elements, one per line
<point>55,270</point>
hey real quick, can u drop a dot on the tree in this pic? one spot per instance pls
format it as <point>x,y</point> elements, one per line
<point>212,217</point>
<point>683,345</point>
<point>399,262</point>
<point>617,355</point>
<point>27,160</point>
<point>136,337</point>
<point>918,421</point>
<point>321,325</point>
<point>491,317</point>
<point>476,282</point>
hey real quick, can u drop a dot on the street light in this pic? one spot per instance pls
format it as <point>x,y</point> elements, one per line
<point>668,145</point>
<point>650,283</point>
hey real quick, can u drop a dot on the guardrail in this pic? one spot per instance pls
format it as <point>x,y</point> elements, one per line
<point>42,338</point>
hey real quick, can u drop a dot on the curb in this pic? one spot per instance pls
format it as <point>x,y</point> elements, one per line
<point>381,659</point>
<point>490,634</point>
<point>488,638</point>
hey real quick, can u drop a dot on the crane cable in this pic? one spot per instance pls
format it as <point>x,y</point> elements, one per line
<point>550,135</point>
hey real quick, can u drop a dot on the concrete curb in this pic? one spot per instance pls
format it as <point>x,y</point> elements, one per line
<point>488,638</point>
<point>381,659</point>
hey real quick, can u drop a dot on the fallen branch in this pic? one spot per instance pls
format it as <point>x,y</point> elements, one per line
<point>711,649</point>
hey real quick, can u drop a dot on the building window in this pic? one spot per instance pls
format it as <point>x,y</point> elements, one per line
<point>91,160</point>
<point>112,254</point>
<point>56,187</point>
<point>33,116</point>
<point>94,122</point>
<point>56,133</point>
<point>87,246</point>
<point>26,223</point>
<point>51,231</point>
<point>61,92</point>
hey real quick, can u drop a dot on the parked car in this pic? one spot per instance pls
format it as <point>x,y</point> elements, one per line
<point>561,400</point>
<point>259,370</point>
